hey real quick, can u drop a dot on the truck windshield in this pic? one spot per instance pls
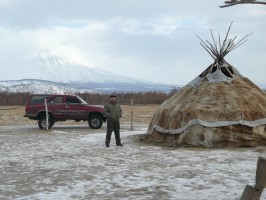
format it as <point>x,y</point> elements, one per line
<point>82,101</point>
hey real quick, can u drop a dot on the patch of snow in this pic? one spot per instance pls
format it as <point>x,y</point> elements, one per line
<point>74,164</point>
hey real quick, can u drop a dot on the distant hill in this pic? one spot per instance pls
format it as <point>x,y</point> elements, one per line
<point>42,86</point>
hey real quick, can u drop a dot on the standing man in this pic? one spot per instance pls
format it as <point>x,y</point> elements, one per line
<point>113,112</point>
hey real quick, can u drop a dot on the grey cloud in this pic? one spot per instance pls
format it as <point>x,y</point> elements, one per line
<point>142,38</point>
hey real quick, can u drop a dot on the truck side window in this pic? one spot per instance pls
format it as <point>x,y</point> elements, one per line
<point>57,100</point>
<point>72,100</point>
<point>38,99</point>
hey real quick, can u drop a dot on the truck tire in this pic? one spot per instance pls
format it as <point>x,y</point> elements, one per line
<point>95,122</point>
<point>42,122</point>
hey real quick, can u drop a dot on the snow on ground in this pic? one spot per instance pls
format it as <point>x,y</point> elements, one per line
<point>73,163</point>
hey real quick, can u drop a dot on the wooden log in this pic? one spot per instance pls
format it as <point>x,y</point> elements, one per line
<point>261,173</point>
<point>254,192</point>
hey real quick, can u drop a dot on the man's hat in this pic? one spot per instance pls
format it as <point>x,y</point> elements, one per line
<point>112,95</point>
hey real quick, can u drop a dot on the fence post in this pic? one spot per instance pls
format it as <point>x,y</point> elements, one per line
<point>131,115</point>
<point>254,192</point>
<point>46,114</point>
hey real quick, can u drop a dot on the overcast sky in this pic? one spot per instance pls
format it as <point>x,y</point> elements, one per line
<point>154,40</point>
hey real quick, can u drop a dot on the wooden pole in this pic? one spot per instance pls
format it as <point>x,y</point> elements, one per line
<point>46,114</point>
<point>131,128</point>
<point>254,192</point>
<point>233,3</point>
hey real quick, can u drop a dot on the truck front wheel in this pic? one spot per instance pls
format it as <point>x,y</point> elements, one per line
<point>95,122</point>
<point>42,122</point>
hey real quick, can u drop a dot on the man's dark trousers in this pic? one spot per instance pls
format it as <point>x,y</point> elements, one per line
<point>113,126</point>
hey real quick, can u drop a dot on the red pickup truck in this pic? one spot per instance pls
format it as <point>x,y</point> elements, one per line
<point>62,107</point>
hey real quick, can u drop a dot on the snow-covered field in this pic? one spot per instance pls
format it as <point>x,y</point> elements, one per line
<point>71,162</point>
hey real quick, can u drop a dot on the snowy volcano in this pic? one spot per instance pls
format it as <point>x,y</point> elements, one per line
<point>59,69</point>
<point>62,70</point>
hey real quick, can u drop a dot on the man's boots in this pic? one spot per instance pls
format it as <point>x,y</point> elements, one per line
<point>107,144</point>
<point>119,144</point>
<point>117,139</point>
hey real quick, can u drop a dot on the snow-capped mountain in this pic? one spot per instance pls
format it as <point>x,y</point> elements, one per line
<point>59,69</point>
<point>52,73</point>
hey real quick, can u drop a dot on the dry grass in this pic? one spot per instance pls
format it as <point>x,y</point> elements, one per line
<point>141,114</point>
<point>13,115</point>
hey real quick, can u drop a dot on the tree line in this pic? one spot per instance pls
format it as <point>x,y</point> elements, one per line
<point>20,99</point>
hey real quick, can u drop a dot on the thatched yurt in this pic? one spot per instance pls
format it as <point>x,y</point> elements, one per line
<point>219,108</point>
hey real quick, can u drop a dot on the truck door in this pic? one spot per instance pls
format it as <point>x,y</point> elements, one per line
<point>75,108</point>
<point>58,107</point>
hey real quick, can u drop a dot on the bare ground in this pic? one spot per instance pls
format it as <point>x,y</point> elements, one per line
<point>70,161</point>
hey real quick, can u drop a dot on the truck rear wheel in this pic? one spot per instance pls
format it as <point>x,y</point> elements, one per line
<point>95,122</point>
<point>42,122</point>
